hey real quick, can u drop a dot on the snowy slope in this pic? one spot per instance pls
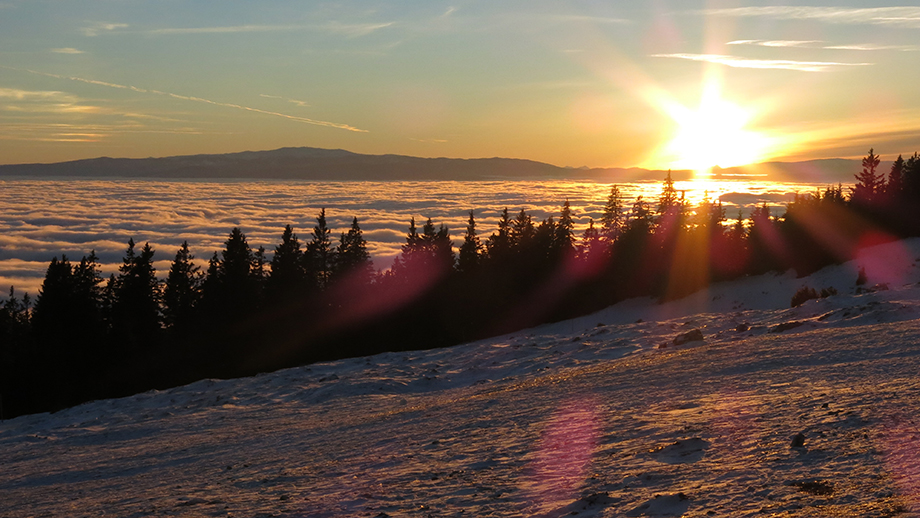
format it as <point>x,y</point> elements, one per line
<point>602,415</point>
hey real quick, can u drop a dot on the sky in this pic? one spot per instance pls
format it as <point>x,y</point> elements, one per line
<point>650,83</point>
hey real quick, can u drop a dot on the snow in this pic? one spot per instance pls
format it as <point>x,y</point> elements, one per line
<point>598,416</point>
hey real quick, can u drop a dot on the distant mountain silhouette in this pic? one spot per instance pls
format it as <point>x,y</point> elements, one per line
<point>306,163</point>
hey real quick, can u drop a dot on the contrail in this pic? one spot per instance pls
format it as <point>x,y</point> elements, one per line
<point>193,99</point>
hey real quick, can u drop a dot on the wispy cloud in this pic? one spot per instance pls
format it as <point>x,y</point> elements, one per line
<point>43,101</point>
<point>818,44</point>
<point>99,27</point>
<point>304,120</point>
<point>355,29</point>
<point>302,104</point>
<point>346,29</point>
<point>21,95</point>
<point>591,19</point>
<point>871,47</point>
<point>896,16</point>
<point>226,30</point>
<point>783,64</point>
<point>67,50</point>
<point>429,140</point>
<point>776,43</point>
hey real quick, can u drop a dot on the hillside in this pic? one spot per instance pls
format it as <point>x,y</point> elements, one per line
<point>807,411</point>
<point>338,165</point>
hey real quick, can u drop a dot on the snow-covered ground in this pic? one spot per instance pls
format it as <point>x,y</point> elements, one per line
<point>778,411</point>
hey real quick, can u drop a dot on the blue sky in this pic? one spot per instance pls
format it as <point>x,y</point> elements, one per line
<point>585,83</point>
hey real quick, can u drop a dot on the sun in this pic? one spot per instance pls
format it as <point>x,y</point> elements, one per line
<point>714,134</point>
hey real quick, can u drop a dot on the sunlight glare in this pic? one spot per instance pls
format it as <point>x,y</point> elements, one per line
<point>713,135</point>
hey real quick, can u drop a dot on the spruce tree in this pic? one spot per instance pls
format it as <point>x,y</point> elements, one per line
<point>470,250</point>
<point>564,232</point>
<point>259,272</point>
<point>237,285</point>
<point>136,317</point>
<point>320,255</point>
<point>182,290</point>
<point>53,313</point>
<point>612,221</point>
<point>668,200</point>
<point>498,246</point>
<point>88,296</point>
<point>910,175</point>
<point>287,275</point>
<point>522,232</point>
<point>443,250</point>
<point>869,184</point>
<point>590,242</point>
<point>895,186</point>
<point>352,258</point>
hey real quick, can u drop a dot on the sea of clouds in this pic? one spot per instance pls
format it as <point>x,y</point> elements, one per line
<point>46,218</point>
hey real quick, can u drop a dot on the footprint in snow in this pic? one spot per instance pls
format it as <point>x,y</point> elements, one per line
<point>663,505</point>
<point>586,507</point>
<point>686,451</point>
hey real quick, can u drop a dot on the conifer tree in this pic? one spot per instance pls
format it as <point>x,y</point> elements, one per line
<point>895,186</point>
<point>88,296</point>
<point>443,250</point>
<point>320,255</point>
<point>136,309</point>
<point>470,250</point>
<point>738,233</point>
<point>182,290</point>
<point>498,246</point>
<point>640,218</point>
<point>235,266</point>
<point>590,242</point>
<point>910,175</point>
<point>522,232</point>
<point>352,257</point>
<point>668,200</point>
<point>210,285</point>
<point>53,315</point>
<point>869,184</point>
<point>237,285</point>
<point>14,322</point>
<point>564,237</point>
<point>287,268</point>
<point>259,272</point>
<point>613,219</point>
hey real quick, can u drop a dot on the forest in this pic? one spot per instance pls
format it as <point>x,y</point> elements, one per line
<point>86,337</point>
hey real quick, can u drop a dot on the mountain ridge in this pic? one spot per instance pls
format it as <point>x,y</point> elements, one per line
<point>308,163</point>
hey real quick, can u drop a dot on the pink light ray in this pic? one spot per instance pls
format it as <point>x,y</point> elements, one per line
<point>563,456</point>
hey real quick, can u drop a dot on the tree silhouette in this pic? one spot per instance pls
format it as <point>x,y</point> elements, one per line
<point>668,200</point>
<point>498,246</point>
<point>288,276</point>
<point>895,187</point>
<point>613,219</point>
<point>136,309</point>
<point>564,233</point>
<point>319,258</point>
<point>52,317</point>
<point>869,184</point>
<point>182,289</point>
<point>352,258</point>
<point>470,250</point>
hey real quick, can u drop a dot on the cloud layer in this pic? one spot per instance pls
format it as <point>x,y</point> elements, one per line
<point>47,218</point>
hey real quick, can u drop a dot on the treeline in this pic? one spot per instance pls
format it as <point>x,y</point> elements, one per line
<point>86,337</point>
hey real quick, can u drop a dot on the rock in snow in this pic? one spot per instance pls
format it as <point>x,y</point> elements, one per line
<point>534,424</point>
